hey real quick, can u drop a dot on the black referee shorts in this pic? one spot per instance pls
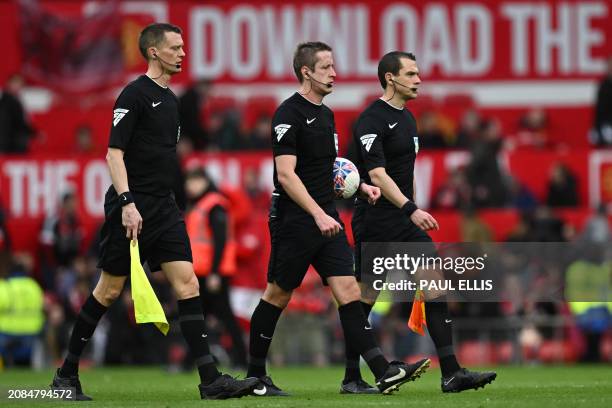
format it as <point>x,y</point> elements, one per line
<point>297,243</point>
<point>163,237</point>
<point>384,224</point>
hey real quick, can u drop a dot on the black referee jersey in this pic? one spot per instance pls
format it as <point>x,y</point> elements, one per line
<point>146,127</point>
<point>387,137</point>
<point>307,131</point>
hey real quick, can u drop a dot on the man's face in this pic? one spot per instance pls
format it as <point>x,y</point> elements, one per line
<point>171,52</point>
<point>407,80</point>
<point>323,72</point>
<point>195,186</point>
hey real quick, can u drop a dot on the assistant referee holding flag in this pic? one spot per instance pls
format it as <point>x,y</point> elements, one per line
<point>140,205</point>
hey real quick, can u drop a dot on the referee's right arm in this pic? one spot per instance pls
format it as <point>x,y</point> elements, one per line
<point>285,126</point>
<point>295,189</point>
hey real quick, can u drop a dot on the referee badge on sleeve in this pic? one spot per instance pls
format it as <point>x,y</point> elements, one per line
<point>416,144</point>
<point>118,114</point>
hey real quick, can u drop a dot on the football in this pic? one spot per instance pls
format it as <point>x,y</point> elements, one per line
<point>346,178</point>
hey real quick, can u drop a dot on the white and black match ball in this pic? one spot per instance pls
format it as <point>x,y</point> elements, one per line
<point>346,178</point>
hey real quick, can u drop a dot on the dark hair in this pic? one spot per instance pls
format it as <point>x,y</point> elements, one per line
<point>153,34</point>
<point>305,54</point>
<point>199,172</point>
<point>390,62</point>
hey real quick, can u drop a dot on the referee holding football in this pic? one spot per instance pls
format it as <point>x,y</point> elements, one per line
<point>140,205</point>
<point>305,228</point>
<point>386,134</point>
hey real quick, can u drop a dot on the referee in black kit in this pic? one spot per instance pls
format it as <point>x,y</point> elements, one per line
<point>140,205</point>
<point>386,134</point>
<point>305,228</point>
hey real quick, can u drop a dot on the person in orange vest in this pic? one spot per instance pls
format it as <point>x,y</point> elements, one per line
<point>211,232</point>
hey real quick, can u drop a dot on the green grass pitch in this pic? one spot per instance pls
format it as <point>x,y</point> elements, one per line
<point>550,386</point>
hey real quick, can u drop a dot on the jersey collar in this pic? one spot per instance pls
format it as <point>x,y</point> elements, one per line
<point>310,102</point>
<point>394,107</point>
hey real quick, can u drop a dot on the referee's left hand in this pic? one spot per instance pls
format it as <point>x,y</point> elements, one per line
<point>131,220</point>
<point>372,193</point>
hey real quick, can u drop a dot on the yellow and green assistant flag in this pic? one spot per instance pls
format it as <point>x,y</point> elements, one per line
<point>146,305</point>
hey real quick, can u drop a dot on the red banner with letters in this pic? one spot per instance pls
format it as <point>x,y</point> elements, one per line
<point>31,186</point>
<point>238,41</point>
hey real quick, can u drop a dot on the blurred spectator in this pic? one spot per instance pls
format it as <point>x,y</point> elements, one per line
<point>129,343</point>
<point>601,135</point>
<point>523,230</point>
<point>562,189</point>
<point>455,193</point>
<point>597,228</point>
<point>587,282</point>
<point>63,231</point>
<point>190,110</point>
<point>84,140</point>
<point>473,229</point>
<point>5,242</point>
<point>522,197</point>
<point>21,312</point>
<point>484,173</point>
<point>259,137</point>
<point>469,129</point>
<point>184,148</point>
<point>252,186</point>
<point>210,225</point>
<point>15,131</point>
<point>547,227</point>
<point>222,128</point>
<point>430,132</point>
<point>533,130</point>
<point>300,336</point>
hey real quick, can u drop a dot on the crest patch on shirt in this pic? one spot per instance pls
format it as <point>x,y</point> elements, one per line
<point>281,130</point>
<point>367,140</point>
<point>118,114</point>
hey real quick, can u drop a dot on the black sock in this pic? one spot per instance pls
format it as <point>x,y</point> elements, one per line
<point>192,323</point>
<point>352,371</point>
<point>85,325</point>
<point>263,323</point>
<point>441,332</point>
<point>354,326</point>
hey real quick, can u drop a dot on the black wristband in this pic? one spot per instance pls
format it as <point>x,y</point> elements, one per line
<point>126,198</point>
<point>409,208</point>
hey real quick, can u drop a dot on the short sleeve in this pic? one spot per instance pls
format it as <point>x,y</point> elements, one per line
<point>284,132</point>
<point>368,136</point>
<point>125,117</point>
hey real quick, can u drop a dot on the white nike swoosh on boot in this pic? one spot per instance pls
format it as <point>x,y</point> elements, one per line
<point>260,392</point>
<point>402,374</point>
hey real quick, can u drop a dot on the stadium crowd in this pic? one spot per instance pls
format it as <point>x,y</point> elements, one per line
<point>41,293</point>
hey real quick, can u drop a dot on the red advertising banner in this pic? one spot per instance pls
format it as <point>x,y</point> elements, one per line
<point>31,186</point>
<point>242,42</point>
